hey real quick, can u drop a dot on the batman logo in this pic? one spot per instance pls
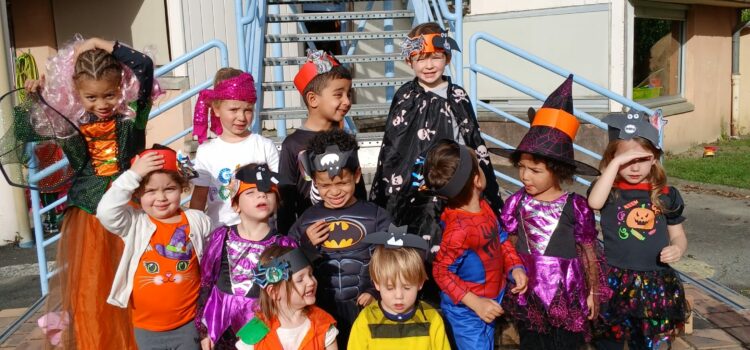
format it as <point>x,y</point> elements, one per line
<point>343,234</point>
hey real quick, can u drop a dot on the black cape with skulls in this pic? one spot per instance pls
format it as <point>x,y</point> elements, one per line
<point>416,121</point>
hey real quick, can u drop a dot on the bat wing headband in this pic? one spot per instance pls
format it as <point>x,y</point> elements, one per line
<point>428,43</point>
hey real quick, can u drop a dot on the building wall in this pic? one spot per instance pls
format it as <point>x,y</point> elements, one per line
<point>743,122</point>
<point>494,6</point>
<point>139,23</point>
<point>708,65</point>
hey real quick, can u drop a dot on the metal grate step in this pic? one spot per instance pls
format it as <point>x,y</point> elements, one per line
<point>358,111</point>
<point>274,2</point>
<point>281,61</point>
<point>330,16</point>
<point>356,83</point>
<point>286,38</point>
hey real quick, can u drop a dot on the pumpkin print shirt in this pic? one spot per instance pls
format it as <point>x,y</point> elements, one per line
<point>634,230</point>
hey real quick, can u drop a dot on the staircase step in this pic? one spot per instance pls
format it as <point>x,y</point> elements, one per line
<point>356,83</point>
<point>358,111</point>
<point>285,38</point>
<point>274,2</point>
<point>294,61</point>
<point>330,16</point>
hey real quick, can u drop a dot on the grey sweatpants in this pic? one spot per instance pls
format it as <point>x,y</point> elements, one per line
<point>182,338</point>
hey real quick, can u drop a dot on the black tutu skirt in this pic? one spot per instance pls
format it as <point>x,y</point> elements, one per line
<point>646,306</point>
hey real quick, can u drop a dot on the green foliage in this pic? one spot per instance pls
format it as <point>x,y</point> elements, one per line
<point>745,16</point>
<point>729,167</point>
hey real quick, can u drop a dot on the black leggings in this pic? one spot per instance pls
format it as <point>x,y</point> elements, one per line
<point>554,339</point>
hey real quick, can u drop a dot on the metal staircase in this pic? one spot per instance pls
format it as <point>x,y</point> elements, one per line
<point>354,30</point>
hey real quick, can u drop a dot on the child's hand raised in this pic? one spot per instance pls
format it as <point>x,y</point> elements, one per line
<point>519,275</point>
<point>631,155</point>
<point>670,254</point>
<point>33,85</point>
<point>150,161</point>
<point>317,233</point>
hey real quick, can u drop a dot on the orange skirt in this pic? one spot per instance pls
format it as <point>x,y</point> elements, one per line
<point>89,255</point>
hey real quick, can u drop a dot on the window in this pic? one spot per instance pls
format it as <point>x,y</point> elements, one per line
<point>657,52</point>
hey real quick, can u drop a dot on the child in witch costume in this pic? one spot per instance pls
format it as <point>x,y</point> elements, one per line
<point>325,86</point>
<point>336,227</point>
<point>475,257</point>
<point>158,277</point>
<point>231,102</point>
<point>288,318</point>
<point>94,104</point>
<point>428,109</point>
<point>554,232</point>
<point>228,295</point>
<point>399,320</point>
<point>643,234</point>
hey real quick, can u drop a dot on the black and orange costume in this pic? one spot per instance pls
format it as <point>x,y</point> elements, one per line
<point>87,255</point>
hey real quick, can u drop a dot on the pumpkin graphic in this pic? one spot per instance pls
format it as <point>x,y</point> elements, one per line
<point>343,233</point>
<point>641,218</point>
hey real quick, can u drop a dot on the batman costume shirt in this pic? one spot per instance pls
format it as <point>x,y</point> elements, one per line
<point>342,264</point>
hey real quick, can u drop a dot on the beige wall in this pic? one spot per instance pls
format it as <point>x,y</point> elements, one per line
<point>140,23</point>
<point>707,83</point>
<point>499,6</point>
<point>743,122</point>
<point>170,123</point>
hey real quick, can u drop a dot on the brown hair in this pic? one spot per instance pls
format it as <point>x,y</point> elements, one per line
<point>175,176</point>
<point>320,82</point>
<point>427,28</point>
<point>657,176</point>
<point>563,172</point>
<point>221,75</point>
<point>442,162</point>
<point>226,73</point>
<point>268,306</point>
<point>388,264</point>
<point>97,64</point>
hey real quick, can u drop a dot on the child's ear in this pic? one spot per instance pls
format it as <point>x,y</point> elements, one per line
<point>377,285</point>
<point>357,175</point>
<point>478,180</point>
<point>421,285</point>
<point>312,99</point>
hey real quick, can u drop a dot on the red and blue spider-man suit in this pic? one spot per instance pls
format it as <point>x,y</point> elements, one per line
<point>474,256</point>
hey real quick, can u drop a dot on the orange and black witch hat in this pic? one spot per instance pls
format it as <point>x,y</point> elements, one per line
<point>553,129</point>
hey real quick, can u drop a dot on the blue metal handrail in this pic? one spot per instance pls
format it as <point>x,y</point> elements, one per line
<point>35,176</point>
<point>476,68</point>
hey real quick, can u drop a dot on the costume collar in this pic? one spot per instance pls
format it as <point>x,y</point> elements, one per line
<point>643,186</point>
<point>399,317</point>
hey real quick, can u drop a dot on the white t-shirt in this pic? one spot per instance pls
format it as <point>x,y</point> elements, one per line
<point>216,161</point>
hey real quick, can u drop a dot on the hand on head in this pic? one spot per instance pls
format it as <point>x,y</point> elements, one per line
<point>149,162</point>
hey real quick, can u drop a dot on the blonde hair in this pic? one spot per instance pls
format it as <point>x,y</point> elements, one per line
<point>388,264</point>
<point>657,176</point>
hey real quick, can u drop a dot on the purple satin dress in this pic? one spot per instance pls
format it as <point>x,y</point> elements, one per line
<point>223,310</point>
<point>557,285</point>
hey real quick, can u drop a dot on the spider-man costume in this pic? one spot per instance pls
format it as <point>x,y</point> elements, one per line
<point>474,256</point>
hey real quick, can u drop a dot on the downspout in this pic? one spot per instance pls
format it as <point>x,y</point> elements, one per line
<point>735,114</point>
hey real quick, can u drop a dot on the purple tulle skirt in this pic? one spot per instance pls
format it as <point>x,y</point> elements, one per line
<point>223,311</point>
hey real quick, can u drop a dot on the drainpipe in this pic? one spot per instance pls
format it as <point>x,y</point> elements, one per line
<point>735,115</point>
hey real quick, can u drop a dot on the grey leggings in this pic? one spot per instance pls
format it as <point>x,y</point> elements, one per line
<point>182,338</point>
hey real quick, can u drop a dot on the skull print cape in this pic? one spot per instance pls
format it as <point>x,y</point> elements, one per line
<point>416,121</point>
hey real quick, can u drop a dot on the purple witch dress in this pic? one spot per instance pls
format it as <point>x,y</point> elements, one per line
<point>557,244</point>
<point>228,295</point>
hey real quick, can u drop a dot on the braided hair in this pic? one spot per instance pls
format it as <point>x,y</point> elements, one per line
<point>97,64</point>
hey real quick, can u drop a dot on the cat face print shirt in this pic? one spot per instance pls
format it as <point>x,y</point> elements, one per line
<point>166,283</point>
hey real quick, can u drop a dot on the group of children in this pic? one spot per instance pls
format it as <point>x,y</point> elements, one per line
<point>290,254</point>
